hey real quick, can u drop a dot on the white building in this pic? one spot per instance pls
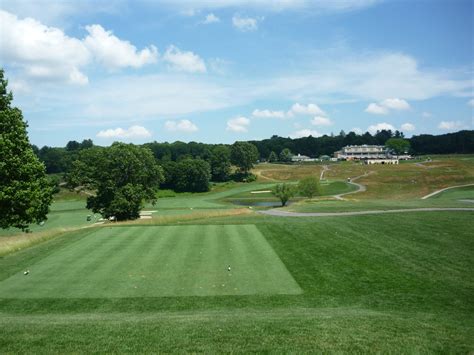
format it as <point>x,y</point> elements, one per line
<point>362,152</point>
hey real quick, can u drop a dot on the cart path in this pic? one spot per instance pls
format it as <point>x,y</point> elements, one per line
<point>360,187</point>
<point>325,168</point>
<point>280,213</point>
<point>441,190</point>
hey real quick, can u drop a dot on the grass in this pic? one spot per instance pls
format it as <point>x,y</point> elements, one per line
<point>361,284</point>
<point>404,285</point>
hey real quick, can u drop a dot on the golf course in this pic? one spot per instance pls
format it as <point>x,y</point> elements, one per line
<point>216,272</point>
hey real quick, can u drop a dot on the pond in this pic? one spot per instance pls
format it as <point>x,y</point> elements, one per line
<point>258,203</point>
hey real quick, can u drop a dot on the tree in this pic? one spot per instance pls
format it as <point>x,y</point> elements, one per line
<point>284,192</point>
<point>285,155</point>
<point>244,155</point>
<point>309,186</point>
<point>25,192</point>
<point>272,157</point>
<point>123,176</point>
<point>220,163</point>
<point>192,175</point>
<point>398,145</point>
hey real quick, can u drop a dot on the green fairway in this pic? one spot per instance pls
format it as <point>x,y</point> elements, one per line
<point>157,261</point>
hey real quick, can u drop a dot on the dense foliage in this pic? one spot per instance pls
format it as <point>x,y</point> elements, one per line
<point>123,176</point>
<point>25,192</point>
<point>398,145</point>
<point>192,175</point>
<point>244,155</point>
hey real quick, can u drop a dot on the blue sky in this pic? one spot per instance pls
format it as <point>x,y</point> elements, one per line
<point>221,71</point>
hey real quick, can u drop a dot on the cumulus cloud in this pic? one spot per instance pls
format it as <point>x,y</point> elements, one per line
<point>471,102</point>
<point>184,126</point>
<point>211,18</point>
<point>47,53</point>
<point>376,109</point>
<point>357,130</point>
<point>131,132</point>
<point>408,127</point>
<point>42,52</point>
<point>379,127</point>
<point>245,24</point>
<point>238,124</point>
<point>384,107</point>
<point>113,52</point>
<point>426,114</point>
<point>395,104</point>
<point>450,125</point>
<point>310,109</point>
<point>305,133</point>
<point>184,60</point>
<point>321,121</point>
<point>268,114</point>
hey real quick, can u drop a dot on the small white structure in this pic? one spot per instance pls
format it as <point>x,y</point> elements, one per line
<point>301,158</point>
<point>381,161</point>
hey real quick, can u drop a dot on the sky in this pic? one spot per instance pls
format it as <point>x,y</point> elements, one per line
<point>221,71</point>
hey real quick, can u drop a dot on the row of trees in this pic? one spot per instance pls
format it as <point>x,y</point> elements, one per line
<point>275,149</point>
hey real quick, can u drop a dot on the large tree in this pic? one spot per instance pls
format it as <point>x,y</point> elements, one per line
<point>25,192</point>
<point>123,177</point>
<point>244,155</point>
<point>220,163</point>
<point>192,175</point>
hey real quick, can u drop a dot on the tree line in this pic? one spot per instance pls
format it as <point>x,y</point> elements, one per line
<point>274,149</point>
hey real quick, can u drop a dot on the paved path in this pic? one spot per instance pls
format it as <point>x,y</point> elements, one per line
<point>360,187</point>
<point>280,213</point>
<point>325,168</point>
<point>446,188</point>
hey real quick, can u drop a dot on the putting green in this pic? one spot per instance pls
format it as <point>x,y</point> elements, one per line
<point>151,261</point>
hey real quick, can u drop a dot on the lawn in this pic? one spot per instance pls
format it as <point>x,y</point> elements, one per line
<point>155,262</point>
<point>356,284</point>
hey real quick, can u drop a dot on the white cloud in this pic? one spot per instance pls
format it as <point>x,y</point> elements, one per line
<point>48,54</point>
<point>131,132</point>
<point>384,107</point>
<point>426,114</point>
<point>184,61</point>
<point>395,104</point>
<point>408,127</point>
<point>211,18</point>
<point>376,109</point>
<point>310,109</point>
<point>321,121</point>
<point>471,102</point>
<point>238,124</point>
<point>268,114</point>
<point>245,24</point>
<point>113,52</point>
<point>379,127</point>
<point>451,125</point>
<point>42,52</point>
<point>185,126</point>
<point>305,133</point>
<point>357,130</point>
